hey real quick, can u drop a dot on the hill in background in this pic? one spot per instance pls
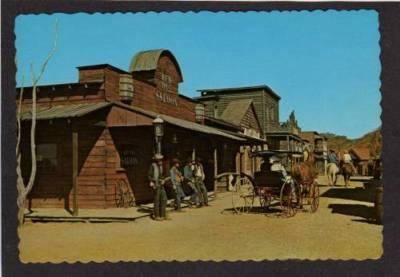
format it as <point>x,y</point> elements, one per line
<point>371,140</point>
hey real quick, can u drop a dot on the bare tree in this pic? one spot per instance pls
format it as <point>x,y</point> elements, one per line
<point>22,188</point>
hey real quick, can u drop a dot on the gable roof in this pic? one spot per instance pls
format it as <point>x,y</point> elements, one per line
<point>148,61</point>
<point>236,110</point>
<point>362,153</point>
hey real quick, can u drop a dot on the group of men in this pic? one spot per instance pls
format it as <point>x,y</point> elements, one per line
<point>193,175</point>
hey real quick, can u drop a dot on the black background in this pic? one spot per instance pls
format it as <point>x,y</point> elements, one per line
<point>389,20</point>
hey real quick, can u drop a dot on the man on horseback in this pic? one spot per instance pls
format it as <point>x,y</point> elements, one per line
<point>332,167</point>
<point>332,158</point>
<point>348,160</point>
<point>347,167</point>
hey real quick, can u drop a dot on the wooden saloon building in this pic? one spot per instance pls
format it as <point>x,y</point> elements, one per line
<point>94,133</point>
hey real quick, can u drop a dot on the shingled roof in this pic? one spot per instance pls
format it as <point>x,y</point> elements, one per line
<point>236,110</point>
<point>362,153</point>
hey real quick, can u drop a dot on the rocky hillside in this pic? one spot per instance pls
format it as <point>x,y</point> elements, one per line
<point>371,140</point>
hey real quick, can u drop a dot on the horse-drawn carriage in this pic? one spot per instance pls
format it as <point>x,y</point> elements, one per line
<point>272,188</point>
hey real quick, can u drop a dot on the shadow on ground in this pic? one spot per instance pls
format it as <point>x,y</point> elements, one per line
<point>365,194</point>
<point>272,209</point>
<point>367,213</point>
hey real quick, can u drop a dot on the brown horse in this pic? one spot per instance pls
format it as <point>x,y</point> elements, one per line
<point>304,172</point>
<point>347,171</point>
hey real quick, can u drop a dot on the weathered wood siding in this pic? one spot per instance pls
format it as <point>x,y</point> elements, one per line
<point>264,105</point>
<point>53,187</point>
<point>64,94</point>
<point>250,121</point>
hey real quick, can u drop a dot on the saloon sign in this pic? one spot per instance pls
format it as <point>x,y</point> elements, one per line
<point>166,98</point>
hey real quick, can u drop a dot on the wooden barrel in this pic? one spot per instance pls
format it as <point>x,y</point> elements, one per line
<point>379,204</point>
<point>126,87</point>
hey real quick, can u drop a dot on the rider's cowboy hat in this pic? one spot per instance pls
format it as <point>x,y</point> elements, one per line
<point>158,157</point>
<point>274,159</point>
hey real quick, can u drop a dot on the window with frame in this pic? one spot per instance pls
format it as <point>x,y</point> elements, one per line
<point>46,156</point>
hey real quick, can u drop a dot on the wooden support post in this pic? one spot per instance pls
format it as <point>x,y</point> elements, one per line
<point>252,163</point>
<point>74,172</point>
<point>243,163</point>
<point>288,143</point>
<point>215,171</point>
<point>237,160</point>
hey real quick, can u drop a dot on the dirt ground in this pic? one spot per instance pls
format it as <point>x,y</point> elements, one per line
<point>340,229</point>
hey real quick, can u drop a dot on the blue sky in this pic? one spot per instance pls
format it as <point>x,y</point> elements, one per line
<point>324,65</point>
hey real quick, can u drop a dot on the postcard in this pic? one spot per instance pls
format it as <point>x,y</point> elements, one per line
<point>199,136</point>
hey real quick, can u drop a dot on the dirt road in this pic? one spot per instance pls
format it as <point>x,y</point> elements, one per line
<point>339,230</point>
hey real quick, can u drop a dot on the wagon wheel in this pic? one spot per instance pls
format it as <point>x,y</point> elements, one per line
<point>242,195</point>
<point>123,196</point>
<point>286,200</point>
<point>314,197</point>
<point>119,196</point>
<point>119,199</point>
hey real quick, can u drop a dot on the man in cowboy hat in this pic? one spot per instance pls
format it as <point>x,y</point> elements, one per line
<point>332,157</point>
<point>189,178</point>
<point>199,177</point>
<point>177,179</point>
<point>157,183</point>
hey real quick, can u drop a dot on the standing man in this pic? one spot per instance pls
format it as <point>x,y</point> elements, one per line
<point>189,178</point>
<point>156,178</point>
<point>177,179</point>
<point>199,181</point>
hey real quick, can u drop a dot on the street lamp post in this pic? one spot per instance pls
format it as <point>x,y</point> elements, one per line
<point>158,132</point>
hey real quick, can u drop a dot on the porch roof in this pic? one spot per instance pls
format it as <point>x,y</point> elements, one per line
<point>78,110</point>
<point>246,137</point>
<point>63,111</point>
